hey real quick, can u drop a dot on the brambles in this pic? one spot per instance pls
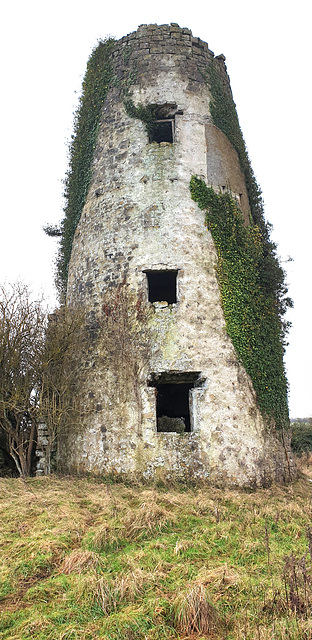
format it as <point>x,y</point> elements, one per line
<point>301,435</point>
<point>38,371</point>
<point>297,581</point>
<point>59,408</point>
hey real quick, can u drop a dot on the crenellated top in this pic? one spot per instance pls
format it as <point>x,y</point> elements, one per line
<point>165,38</point>
<point>143,49</point>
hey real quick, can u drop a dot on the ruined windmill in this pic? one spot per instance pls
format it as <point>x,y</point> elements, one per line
<point>166,392</point>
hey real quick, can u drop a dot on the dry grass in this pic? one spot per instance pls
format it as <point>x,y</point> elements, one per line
<point>81,559</point>
<point>107,535</point>
<point>304,464</point>
<point>194,613</point>
<point>126,588</point>
<point>149,517</point>
<point>221,577</point>
<point>182,546</point>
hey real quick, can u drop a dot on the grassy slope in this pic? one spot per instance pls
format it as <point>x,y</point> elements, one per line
<point>82,559</point>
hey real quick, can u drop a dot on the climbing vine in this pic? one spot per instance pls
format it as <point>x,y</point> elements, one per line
<point>252,303</point>
<point>147,114</point>
<point>252,282</point>
<point>224,115</point>
<point>94,89</point>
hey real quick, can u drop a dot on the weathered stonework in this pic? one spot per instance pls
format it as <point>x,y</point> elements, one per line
<point>139,219</point>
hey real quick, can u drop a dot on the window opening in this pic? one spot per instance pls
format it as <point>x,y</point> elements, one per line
<point>172,407</point>
<point>162,286</point>
<point>162,128</point>
<point>163,131</point>
<point>172,391</point>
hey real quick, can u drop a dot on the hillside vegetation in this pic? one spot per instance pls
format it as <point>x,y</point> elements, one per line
<point>301,435</point>
<point>84,559</point>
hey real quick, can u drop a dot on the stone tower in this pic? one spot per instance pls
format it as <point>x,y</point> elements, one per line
<point>164,391</point>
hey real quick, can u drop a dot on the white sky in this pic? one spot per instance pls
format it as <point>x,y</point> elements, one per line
<point>44,51</point>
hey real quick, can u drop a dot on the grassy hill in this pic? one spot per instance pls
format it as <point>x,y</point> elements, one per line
<point>84,559</point>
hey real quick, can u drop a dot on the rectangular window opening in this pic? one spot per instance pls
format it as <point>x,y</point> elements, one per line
<point>163,131</point>
<point>172,391</point>
<point>162,286</point>
<point>172,408</point>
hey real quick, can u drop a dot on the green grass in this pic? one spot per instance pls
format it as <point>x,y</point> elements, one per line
<point>81,559</point>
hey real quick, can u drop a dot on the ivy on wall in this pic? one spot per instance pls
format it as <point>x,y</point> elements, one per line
<point>147,114</point>
<point>250,307</point>
<point>94,90</point>
<point>252,282</point>
<point>224,115</point>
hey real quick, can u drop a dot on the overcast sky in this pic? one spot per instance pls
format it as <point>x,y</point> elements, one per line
<point>44,50</point>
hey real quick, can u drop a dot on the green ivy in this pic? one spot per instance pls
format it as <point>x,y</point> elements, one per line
<point>252,282</point>
<point>251,305</point>
<point>148,114</point>
<point>94,90</point>
<point>224,115</point>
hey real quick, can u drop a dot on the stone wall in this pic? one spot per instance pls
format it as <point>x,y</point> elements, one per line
<point>139,218</point>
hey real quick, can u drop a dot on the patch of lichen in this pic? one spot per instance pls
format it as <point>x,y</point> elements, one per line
<point>253,299</point>
<point>94,90</point>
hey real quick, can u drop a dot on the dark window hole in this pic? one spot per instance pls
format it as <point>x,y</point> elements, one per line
<point>162,286</point>
<point>172,407</point>
<point>163,131</point>
<point>172,392</point>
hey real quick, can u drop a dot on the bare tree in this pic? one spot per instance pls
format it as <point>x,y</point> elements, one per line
<point>39,356</point>
<point>59,400</point>
<point>22,344</point>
